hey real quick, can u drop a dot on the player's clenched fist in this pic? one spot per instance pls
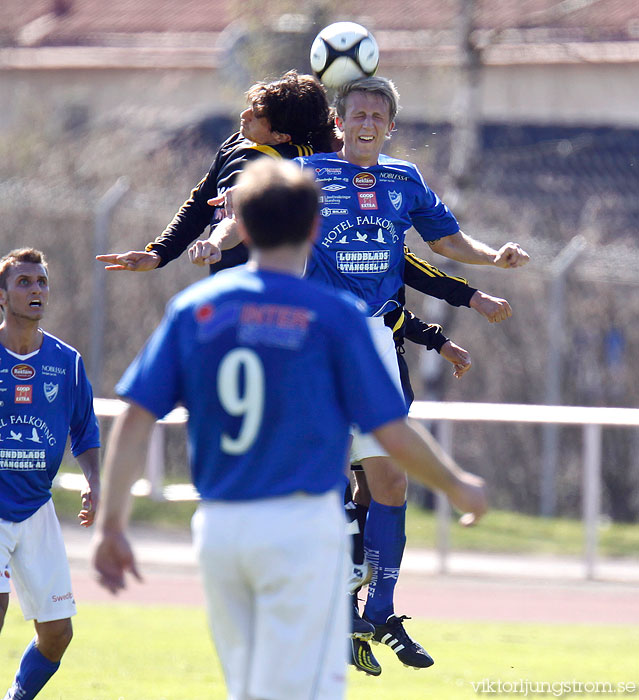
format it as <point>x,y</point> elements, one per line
<point>204,253</point>
<point>511,255</point>
<point>492,308</point>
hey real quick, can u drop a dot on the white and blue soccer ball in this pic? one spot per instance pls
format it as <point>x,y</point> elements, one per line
<point>344,51</point>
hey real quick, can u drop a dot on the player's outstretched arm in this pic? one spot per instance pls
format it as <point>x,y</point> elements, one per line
<point>492,308</point>
<point>463,248</point>
<point>416,451</point>
<point>426,278</point>
<point>134,261</point>
<point>125,458</point>
<point>89,462</point>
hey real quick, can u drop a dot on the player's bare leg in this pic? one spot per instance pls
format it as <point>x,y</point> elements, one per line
<point>387,483</point>
<point>4,604</point>
<point>41,659</point>
<point>53,638</point>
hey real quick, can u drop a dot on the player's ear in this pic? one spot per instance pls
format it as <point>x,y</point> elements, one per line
<point>391,128</point>
<point>243,233</point>
<point>281,138</point>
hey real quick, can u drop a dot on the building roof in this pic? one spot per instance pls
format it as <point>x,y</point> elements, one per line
<point>92,22</point>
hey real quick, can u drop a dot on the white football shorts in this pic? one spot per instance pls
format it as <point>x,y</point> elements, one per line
<point>364,444</point>
<point>32,555</point>
<point>274,573</point>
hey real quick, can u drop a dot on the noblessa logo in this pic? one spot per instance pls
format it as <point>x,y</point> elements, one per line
<point>22,372</point>
<point>364,181</point>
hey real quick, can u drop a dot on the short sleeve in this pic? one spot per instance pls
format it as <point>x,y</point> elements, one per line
<point>430,216</point>
<point>83,427</point>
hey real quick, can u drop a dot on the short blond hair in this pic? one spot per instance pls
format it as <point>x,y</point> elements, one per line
<point>373,84</point>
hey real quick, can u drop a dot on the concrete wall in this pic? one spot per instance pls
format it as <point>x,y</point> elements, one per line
<point>604,94</point>
<point>589,94</point>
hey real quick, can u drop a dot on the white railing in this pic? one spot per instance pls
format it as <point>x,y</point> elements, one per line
<point>592,419</point>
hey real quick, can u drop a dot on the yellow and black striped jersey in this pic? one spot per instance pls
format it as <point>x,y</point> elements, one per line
<point>195,214</point>
<point>426,278</point>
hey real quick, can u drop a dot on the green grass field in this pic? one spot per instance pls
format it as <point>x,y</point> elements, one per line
<point>164,653</point>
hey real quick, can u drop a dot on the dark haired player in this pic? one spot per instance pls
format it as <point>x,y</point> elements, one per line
<point>285,118</point>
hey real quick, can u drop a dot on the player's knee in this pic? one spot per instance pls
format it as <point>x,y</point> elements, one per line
<point>54,638</point>
<point>64,635</point>
<point>387,483</point>
<point>395,491</point>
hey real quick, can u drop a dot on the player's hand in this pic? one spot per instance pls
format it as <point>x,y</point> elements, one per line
<point>134,260</point>
<point>456,355</point>
<point>204,253</point>
<point>511,255</point>
<point>469,496</point>
<point>90,498</point>
<point>492,308</point>
<point>112,557</point>
<point>225,202</point>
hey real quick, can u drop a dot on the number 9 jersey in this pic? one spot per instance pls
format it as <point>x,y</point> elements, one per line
<point>273,371</point>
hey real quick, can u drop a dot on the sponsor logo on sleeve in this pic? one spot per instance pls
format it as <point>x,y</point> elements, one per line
<point>23,372</point>
<point>24,393</point>
<point>50,391</point>
<point>367,200</point>
<point>204,312</point>
<point>364,181</point>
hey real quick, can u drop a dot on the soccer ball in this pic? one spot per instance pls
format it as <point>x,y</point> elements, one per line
<point>344,51</point>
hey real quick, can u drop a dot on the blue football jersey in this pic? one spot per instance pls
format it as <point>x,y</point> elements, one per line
<point>365,213</point>
<point>44,397</point>
<point>273,371</point>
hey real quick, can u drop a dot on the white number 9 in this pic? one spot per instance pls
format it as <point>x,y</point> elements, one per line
<point>249,404</point>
